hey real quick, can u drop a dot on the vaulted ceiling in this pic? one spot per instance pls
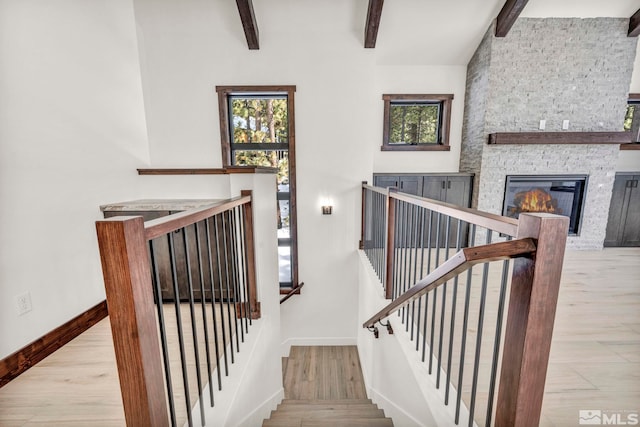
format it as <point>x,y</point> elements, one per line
<point>421,32</point>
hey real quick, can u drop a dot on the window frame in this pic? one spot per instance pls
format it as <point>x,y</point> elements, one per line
<point>287,91</point>
<point>445,101</point>
<point>634,98</point>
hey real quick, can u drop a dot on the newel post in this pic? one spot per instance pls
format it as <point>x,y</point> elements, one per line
<point>127,279</point>
<point>390,225</point>
<point>251,255</point>
<point>532,306</point>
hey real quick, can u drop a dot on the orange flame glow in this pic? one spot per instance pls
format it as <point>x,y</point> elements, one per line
<point>536,200</point>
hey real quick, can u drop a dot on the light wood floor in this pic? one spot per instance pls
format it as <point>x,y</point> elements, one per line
<point>594,362</point>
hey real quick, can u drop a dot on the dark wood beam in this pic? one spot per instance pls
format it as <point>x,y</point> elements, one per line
<point>508,15</point>
<point>248,18</point>
<point>373,23</point>
<point>634,24</point>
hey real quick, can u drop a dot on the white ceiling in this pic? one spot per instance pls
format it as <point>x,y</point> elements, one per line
<point>417,32</point>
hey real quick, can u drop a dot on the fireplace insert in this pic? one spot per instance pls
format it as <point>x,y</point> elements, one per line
<point>558,194</point>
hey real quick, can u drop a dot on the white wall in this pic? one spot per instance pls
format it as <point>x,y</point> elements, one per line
<point>189,47</point>
<point>629,161</point>
<point>72,132</point>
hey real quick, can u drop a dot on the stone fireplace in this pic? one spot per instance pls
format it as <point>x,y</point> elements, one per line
<point>568,72</point>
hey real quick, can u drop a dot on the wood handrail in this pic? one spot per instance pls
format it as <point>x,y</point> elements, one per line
<point>167,224</point>
<point>292,292</point>
<point>501,224</point>
<point>461,261</point>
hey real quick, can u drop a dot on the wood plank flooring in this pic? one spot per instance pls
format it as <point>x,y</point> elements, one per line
<point>594,362</point>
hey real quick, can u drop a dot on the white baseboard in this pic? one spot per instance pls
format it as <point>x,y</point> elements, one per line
<point>393,411</point>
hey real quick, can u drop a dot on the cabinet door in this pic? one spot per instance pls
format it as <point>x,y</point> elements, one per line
<point>617,211</point>
<point>385,181</point>
<point>411,185</point>
<point>631,235</point>
<point>459,194</point>
<point>434,187</point>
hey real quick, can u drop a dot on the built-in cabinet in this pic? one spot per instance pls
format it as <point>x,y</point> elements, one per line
<point>623,226</point>
<point>454,188</point>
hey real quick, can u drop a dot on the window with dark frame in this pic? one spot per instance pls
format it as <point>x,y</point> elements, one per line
<point>257,129</point>
<point>632,121</point>
<point>416,122</point>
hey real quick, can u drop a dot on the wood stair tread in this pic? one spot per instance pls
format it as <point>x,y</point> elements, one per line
<point>325,401</point>
<point>324,406</point>
<point>330,413</point>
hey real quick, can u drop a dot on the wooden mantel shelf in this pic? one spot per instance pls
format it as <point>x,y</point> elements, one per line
<point>207,171</point>
<point>560,138</point>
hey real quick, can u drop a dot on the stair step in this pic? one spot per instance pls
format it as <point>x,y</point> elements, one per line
<point>325,401</point>
<point>329,413</point>
<point>296,422</point>
<point>354,422</point>
<point>326,406</point>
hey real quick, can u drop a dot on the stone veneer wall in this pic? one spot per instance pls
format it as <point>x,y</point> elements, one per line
<point>550,69</point>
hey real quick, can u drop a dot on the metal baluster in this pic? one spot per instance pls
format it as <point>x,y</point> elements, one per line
<point>396,257</point>
<point>454,299</point>
<point>192,312</point>
<point>228,282</point>
<point>204,311</point>
<point>498,337</point>
<point>176,301</point>
<point>444,302</point>
<point>426,299</point>
<point>422,215</point>
<point>476,362</point>
<point>465,321</point>
<point>245,269</point>
<point>235,273</point>
<point>213,301</point>
<point>221,293</point>
<point>232,276</point>
<point>435,293</point>
<point>157,293</point>
<point>409,249</point>
<point>417,212</point>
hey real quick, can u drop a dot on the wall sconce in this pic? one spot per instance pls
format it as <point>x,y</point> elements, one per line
<point>326,210</point>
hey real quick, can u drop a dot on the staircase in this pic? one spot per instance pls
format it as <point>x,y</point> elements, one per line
<point>323,386</point>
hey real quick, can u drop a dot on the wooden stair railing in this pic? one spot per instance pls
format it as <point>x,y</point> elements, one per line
<point>135,301</point>
<point>391,233</point>
<point>461,261</point>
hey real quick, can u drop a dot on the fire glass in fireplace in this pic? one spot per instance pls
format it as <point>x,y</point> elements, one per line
<point>558,194</point>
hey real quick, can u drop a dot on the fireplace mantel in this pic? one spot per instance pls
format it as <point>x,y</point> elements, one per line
<point>560,138</point>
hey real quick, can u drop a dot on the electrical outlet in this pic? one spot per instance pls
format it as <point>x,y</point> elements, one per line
<point>23,303</point>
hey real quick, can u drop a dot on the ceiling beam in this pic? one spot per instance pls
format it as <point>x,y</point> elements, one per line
<point>374,12</point>
<point>634,24</point>
<point>508,15</point>
<point>248,18</point>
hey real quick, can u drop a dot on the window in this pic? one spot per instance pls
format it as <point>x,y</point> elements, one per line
<point>416,122</point>
<point>632,117</point>
<point>256,126</point>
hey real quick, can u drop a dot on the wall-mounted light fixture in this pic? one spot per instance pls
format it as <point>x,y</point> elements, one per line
<point>326,210</point>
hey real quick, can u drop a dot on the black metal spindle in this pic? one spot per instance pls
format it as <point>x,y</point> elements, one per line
<point>176,301</point>
<point>192,313</point>
<point>237,297</point>
<point>213,302</point>
<point>465,322</point>
<point>452,325</point>
<point>476,361</point>
<point>415,267</point>
<point>409,249</point>
<point>219,265</point>
<point>157,293</point>
<point>203,303</point>
<point>422,217</point>
<point>443,305</point>
<point>225,230</point>
<point>498,337</point>
<point>245,270</point>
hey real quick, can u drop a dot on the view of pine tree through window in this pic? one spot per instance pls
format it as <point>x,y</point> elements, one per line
<point>414,123</point>
<point>259,137</point>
